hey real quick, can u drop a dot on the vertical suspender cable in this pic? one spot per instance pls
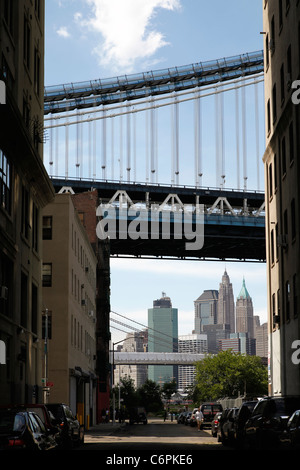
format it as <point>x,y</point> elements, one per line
<point>94,148</point>
<point>217,111</point>
<point>134,147</point>
<point>103,166</point>
<point>56,151</point>
<point>112,149</point>
<point>244,136</point>
<point>121,148</point>
<point>258,163</point>
<point>51,149</point>
<point>90,149</point>
<point>67,149</point>
<point>237,129</point>
<point>147,143</point>
<point>128,145</point>
<point>77,164</point>
<point>197,140</point>
<point>221,122</point>
<point>152,140</point>
<point>175,142</point>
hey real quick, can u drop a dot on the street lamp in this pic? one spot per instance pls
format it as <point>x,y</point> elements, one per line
<point>113,374</point>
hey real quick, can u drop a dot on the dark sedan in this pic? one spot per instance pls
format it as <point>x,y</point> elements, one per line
<point>23,430</point>
<point>291,435</point>
<point>269,420</point>
<point>72,431</point>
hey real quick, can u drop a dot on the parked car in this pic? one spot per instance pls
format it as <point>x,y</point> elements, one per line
<point>192,420</point>
<point>228,426</point>
<point>138,415</point>
<point>209,410</point>
<point>222,420</point>
<point>269,420</point>
<point>291,435</point>
<point>24,430</point>
<point>181,417</point>
<point>45,415</point>
<point>215,424</point>
<point>72,431</point>
<point>242,416</point>
<point>187,418</point>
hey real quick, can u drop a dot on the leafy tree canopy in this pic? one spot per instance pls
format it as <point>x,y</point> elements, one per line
<point>229,374</point>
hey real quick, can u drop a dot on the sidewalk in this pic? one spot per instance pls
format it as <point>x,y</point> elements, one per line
<point>105,428</point>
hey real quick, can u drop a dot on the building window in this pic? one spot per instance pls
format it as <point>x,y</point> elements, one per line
<point>291,139</point>
<point>275,173</point>
<point>268,117</point>
<point>272,38</point>
<point>8,15</point>
<point>37,71</point>
<point>274,100</point>
<point>47,274</point>
<point>287,299</point>
<point>283,156</point>
<point>25,225</point>
<point>34,309</point>
<point>35,227</point>
<point>47,227</point>
<point>270,181</point>
<point>24,299</point>
<point>289,67</point>
<point>285,223</point>
<point>280,13</point>
<point>267,50</point>
<point>282,85</point>
<point>293,219</point>
<point>37,7</point>
<point>295,295</point>
<point>26,42</point>
<point>5,183</point>
<point>272,247</point>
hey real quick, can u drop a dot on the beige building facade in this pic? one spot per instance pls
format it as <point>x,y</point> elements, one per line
<point>281,31</point>
<point>69,297</point>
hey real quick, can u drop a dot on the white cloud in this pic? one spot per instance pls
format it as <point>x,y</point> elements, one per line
<point>127,31</point>
<point>63,32</point>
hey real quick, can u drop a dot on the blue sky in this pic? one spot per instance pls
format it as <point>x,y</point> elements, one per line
<point>90,39</point>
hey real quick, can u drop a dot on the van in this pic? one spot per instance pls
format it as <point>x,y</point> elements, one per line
<point>209,409</point>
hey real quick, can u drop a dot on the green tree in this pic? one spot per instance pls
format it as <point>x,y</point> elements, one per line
<point>150,396</point>
<point>128,392</point>
<point>229,374</point>
<point>168,389</point>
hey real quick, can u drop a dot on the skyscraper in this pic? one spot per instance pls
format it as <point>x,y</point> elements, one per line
<point>244,312</point>
<point>206,307</point>
<point>162,337</point>
<point>225,314</point>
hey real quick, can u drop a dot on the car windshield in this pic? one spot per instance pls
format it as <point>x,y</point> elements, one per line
<point>11,422</point>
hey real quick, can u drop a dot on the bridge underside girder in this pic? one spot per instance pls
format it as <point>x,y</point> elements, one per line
<point>225,243</point>
<point>235,232</point>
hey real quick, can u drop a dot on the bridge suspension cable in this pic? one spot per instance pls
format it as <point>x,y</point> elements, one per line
<point>108,158</point>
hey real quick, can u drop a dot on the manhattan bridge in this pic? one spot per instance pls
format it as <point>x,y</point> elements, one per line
<point>183,136</point>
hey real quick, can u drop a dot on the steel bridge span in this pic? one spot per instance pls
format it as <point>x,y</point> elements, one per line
<point>154,358</point>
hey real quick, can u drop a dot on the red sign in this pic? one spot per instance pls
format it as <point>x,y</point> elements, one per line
<point>49,384</point>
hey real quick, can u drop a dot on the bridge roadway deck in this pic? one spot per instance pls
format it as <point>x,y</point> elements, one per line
<point>226,237</point>
<point>154,358</point>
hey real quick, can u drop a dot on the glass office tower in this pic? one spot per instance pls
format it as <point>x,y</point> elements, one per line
<point>163,337</point>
